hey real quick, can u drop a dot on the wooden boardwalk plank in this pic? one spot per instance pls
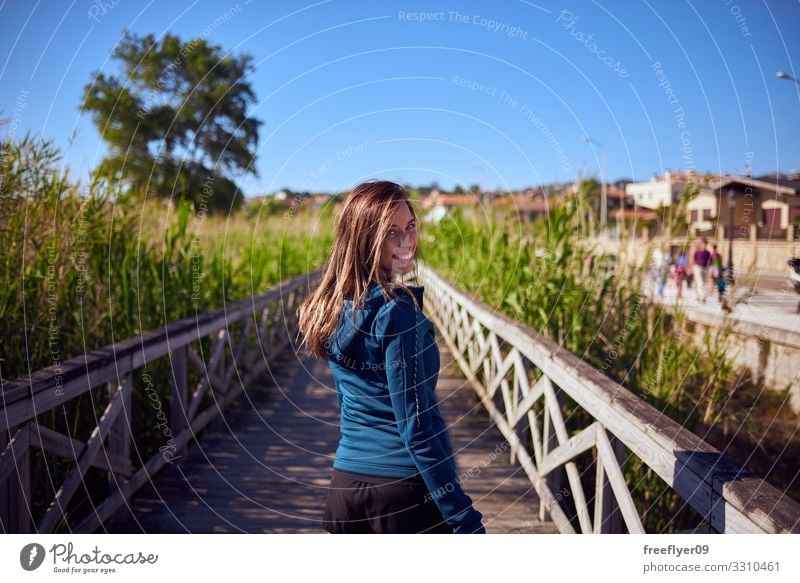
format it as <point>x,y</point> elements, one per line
<point>266,465</point>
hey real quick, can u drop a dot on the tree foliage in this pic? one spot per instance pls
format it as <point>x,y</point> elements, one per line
<point>175,119</point>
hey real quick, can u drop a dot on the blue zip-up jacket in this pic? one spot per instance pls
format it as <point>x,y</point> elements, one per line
<point>385,365</point>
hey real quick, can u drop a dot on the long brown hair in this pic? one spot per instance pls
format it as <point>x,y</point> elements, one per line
<point>354,262</point>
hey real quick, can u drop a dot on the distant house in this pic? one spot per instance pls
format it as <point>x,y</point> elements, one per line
<point>634,216</point>
<point>438,204</point>
<point>260,199</point>
<point>624,212</point>
<point>659,191</point>
<point>448,201</point>
<point>765,207</point>
<point>435,214</point>
<point>703,211</point>
<point>618,199</point>
<point>528,204</point>
<point>781,207</point>
<point>318,200</point>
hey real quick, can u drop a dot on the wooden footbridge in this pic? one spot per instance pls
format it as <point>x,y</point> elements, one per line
<point>246,430</point>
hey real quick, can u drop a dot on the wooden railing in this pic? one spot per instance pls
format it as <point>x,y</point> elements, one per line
<point>245,336</point>
<point>522,379</point>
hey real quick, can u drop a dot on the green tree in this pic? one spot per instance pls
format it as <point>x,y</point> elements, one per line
<point>175,120</point>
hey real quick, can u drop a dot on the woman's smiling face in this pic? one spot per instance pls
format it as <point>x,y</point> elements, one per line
<point>400,242</point>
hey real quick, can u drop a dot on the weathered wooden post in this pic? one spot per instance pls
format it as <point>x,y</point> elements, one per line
<point>179,396</point>
<point>119,440</point>
<point>15,480</point>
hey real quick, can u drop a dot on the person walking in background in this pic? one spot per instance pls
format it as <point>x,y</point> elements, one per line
<point>680,272</point>
<point>720,281</point>
<point>716,270</point>
<point>700,262</point>
<point>669,268</point>
<point>673,269</point>
<point>660,271</point>
<point>394,470</point>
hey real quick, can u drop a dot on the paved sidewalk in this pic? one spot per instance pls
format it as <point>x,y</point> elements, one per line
<point>775,309</point>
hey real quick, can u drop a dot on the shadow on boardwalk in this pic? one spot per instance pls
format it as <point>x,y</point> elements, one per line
<point>265,465</point>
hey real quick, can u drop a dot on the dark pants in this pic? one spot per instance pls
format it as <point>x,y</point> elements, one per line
<point>361,504</point>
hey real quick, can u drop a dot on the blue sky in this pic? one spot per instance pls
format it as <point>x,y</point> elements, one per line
<point>497,94</point>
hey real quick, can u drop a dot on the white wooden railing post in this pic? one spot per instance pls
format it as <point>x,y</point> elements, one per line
<point>607,516</point>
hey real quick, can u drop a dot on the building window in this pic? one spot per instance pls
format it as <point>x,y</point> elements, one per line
<point>706,214</point>
<point>794,215</point>
<point>693,216</point>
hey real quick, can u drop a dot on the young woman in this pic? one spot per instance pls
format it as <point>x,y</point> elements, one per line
<point>394,470</point>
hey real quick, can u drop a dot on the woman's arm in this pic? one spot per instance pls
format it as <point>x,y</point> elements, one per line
<point>440,430</point>
<point>415,414</point>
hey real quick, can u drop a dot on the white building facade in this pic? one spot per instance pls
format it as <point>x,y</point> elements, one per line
<point>657,191</point>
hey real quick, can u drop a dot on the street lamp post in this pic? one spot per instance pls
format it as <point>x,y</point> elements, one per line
<point>731,210</point>
<point>603,193</point>
<point>786,76</point>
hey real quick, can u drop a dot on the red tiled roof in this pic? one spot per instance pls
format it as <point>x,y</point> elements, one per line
<point>641,214</point>
<point>449,199</point>
<point>524,201</point>
<point>612,192</point>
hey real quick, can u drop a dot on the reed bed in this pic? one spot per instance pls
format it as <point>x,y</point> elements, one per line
<point>540,274</point>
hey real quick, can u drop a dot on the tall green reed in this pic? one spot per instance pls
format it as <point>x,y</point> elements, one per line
<point>544,275</point>
<point>82,267</point>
